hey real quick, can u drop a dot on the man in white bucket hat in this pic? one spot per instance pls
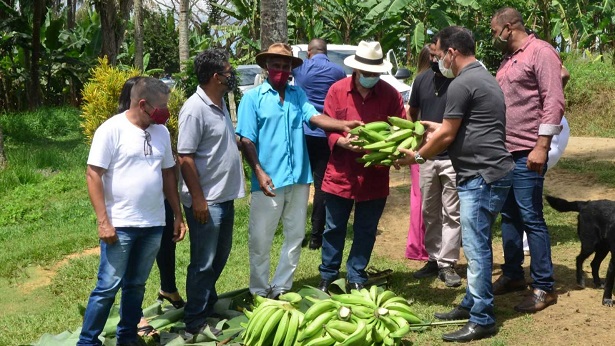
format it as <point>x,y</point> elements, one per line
<point>346,183</point>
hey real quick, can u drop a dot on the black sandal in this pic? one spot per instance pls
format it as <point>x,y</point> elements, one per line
<point>147,330</point>
<point>178,304</point>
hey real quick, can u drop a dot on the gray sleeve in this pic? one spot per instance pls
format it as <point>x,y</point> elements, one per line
<point>458,100</point>
<point>190,132</point>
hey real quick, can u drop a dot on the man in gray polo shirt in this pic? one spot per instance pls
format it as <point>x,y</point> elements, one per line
<point>473,130</point>
<point>212,177</point>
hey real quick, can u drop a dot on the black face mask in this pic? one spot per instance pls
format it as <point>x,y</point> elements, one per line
<point>435,67</point>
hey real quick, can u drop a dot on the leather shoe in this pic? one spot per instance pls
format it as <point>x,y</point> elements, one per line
<point>471,331</point>
<point>324,285</point>
<point>354,286</point>
<point>537,301</point>
<point>458,313</point>
<point>504,285</point>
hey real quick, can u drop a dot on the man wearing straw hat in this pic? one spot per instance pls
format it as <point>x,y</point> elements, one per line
<point>270,124</point>
<point>366,98</point>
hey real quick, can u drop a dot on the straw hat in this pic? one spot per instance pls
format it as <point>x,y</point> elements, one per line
<point>281,50</point>
<point>369,58</point>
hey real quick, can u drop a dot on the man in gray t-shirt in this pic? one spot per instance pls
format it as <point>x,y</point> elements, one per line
<point>473,130</point>
<point>212,177</point>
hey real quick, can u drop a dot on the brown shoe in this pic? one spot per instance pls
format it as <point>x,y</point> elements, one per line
<point>537,301</point>
<point>504,285</point>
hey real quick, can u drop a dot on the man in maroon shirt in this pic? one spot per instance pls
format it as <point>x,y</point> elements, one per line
<point>530,77</point>
<point>366,98</point>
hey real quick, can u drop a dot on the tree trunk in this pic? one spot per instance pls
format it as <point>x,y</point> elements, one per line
<point>138,20</point>
<point>184,49</point>
<point>2,155</point>
<point>34,92</point>
<point>71,8</point>
<point>273,22</point>
<point>113,16</point>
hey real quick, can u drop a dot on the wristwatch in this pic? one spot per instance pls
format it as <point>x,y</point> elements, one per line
<point>418,158</point>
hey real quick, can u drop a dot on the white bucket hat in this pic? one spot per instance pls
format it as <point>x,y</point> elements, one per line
<point>368,58</point>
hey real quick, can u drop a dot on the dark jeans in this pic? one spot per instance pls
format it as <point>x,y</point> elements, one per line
<point>318,151</point>
<point>365,225</point>
<point>166,255</point>
<point>210,246</point>
<point>523,211</point>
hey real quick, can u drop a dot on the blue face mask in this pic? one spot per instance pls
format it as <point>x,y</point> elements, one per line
<point>368,82</point>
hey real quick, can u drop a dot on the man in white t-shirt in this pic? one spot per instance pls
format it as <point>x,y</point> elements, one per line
<point>130,172</point>
<point>212,178</point>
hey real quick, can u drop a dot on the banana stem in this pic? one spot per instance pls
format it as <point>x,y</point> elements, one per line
<point>440,323</point>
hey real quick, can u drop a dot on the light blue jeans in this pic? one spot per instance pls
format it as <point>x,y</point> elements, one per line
<point>480,204</point>
<point>125,264</point>
<point>210,246</point>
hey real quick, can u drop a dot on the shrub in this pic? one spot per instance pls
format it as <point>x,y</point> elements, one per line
<point>101,93</point>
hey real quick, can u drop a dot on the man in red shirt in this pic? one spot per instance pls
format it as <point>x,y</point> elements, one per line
<point>346,183</point>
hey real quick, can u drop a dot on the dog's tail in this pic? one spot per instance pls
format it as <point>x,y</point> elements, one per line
<point>564,205</point>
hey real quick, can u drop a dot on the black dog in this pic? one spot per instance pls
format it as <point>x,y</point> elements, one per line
<point>596,229</point>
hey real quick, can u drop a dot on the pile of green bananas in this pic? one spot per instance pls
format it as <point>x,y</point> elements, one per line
<point>383,139</point>
<point>365,317</point>
<point>274,322</point>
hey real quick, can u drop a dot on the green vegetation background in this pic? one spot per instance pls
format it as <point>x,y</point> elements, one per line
<point>45,215</point>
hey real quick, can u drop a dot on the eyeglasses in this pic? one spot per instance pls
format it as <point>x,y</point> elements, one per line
<point>147,147</point>
<point>231,71</point>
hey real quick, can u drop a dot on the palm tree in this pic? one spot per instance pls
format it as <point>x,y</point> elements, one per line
<point>273,22</point>
<point>184,33</point>
<point>138,22</point>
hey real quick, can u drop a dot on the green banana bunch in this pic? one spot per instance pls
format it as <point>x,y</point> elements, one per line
<point>383,140</point>
<point>273,322</point>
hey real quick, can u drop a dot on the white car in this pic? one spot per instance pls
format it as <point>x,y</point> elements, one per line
<point>247,77</point>
<point>338,52</point>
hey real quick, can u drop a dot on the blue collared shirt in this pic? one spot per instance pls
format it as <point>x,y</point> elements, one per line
<point>315,76</point>
<point>276,129</point>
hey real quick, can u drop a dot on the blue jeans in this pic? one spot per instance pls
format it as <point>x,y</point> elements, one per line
<point>366,217</point>
<point>124,264</point>
<point>523,211</point>
<point>210,246</point>
<point>480,204</point>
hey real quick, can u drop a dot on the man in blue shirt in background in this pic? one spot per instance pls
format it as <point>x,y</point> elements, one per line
<point>315,76</point>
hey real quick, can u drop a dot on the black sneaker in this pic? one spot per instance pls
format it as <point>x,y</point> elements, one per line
<point>449,276</point>
<point>430,269</point>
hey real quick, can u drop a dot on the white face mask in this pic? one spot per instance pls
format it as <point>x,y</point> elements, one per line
<point>446,72</point>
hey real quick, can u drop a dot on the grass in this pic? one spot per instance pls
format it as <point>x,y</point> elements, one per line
<point>46,215</point>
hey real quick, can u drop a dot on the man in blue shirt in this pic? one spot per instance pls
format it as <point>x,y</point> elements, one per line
<point>270,122</point>
<point>315,76</point>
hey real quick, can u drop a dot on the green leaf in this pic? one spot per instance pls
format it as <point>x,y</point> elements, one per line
<point>52,34</point>
<point>418,37</point>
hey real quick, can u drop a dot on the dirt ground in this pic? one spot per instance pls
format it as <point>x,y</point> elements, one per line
<point>578,318</point>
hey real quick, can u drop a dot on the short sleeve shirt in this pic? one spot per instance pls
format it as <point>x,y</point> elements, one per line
<point>132,182</point>
<point>276,129</point>
<point>206,131</point>
<point>424,89</point>
<point>479,148</point>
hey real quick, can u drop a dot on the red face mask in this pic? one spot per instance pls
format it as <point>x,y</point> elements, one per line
<point>278,78</point>
<point>159,116</point>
